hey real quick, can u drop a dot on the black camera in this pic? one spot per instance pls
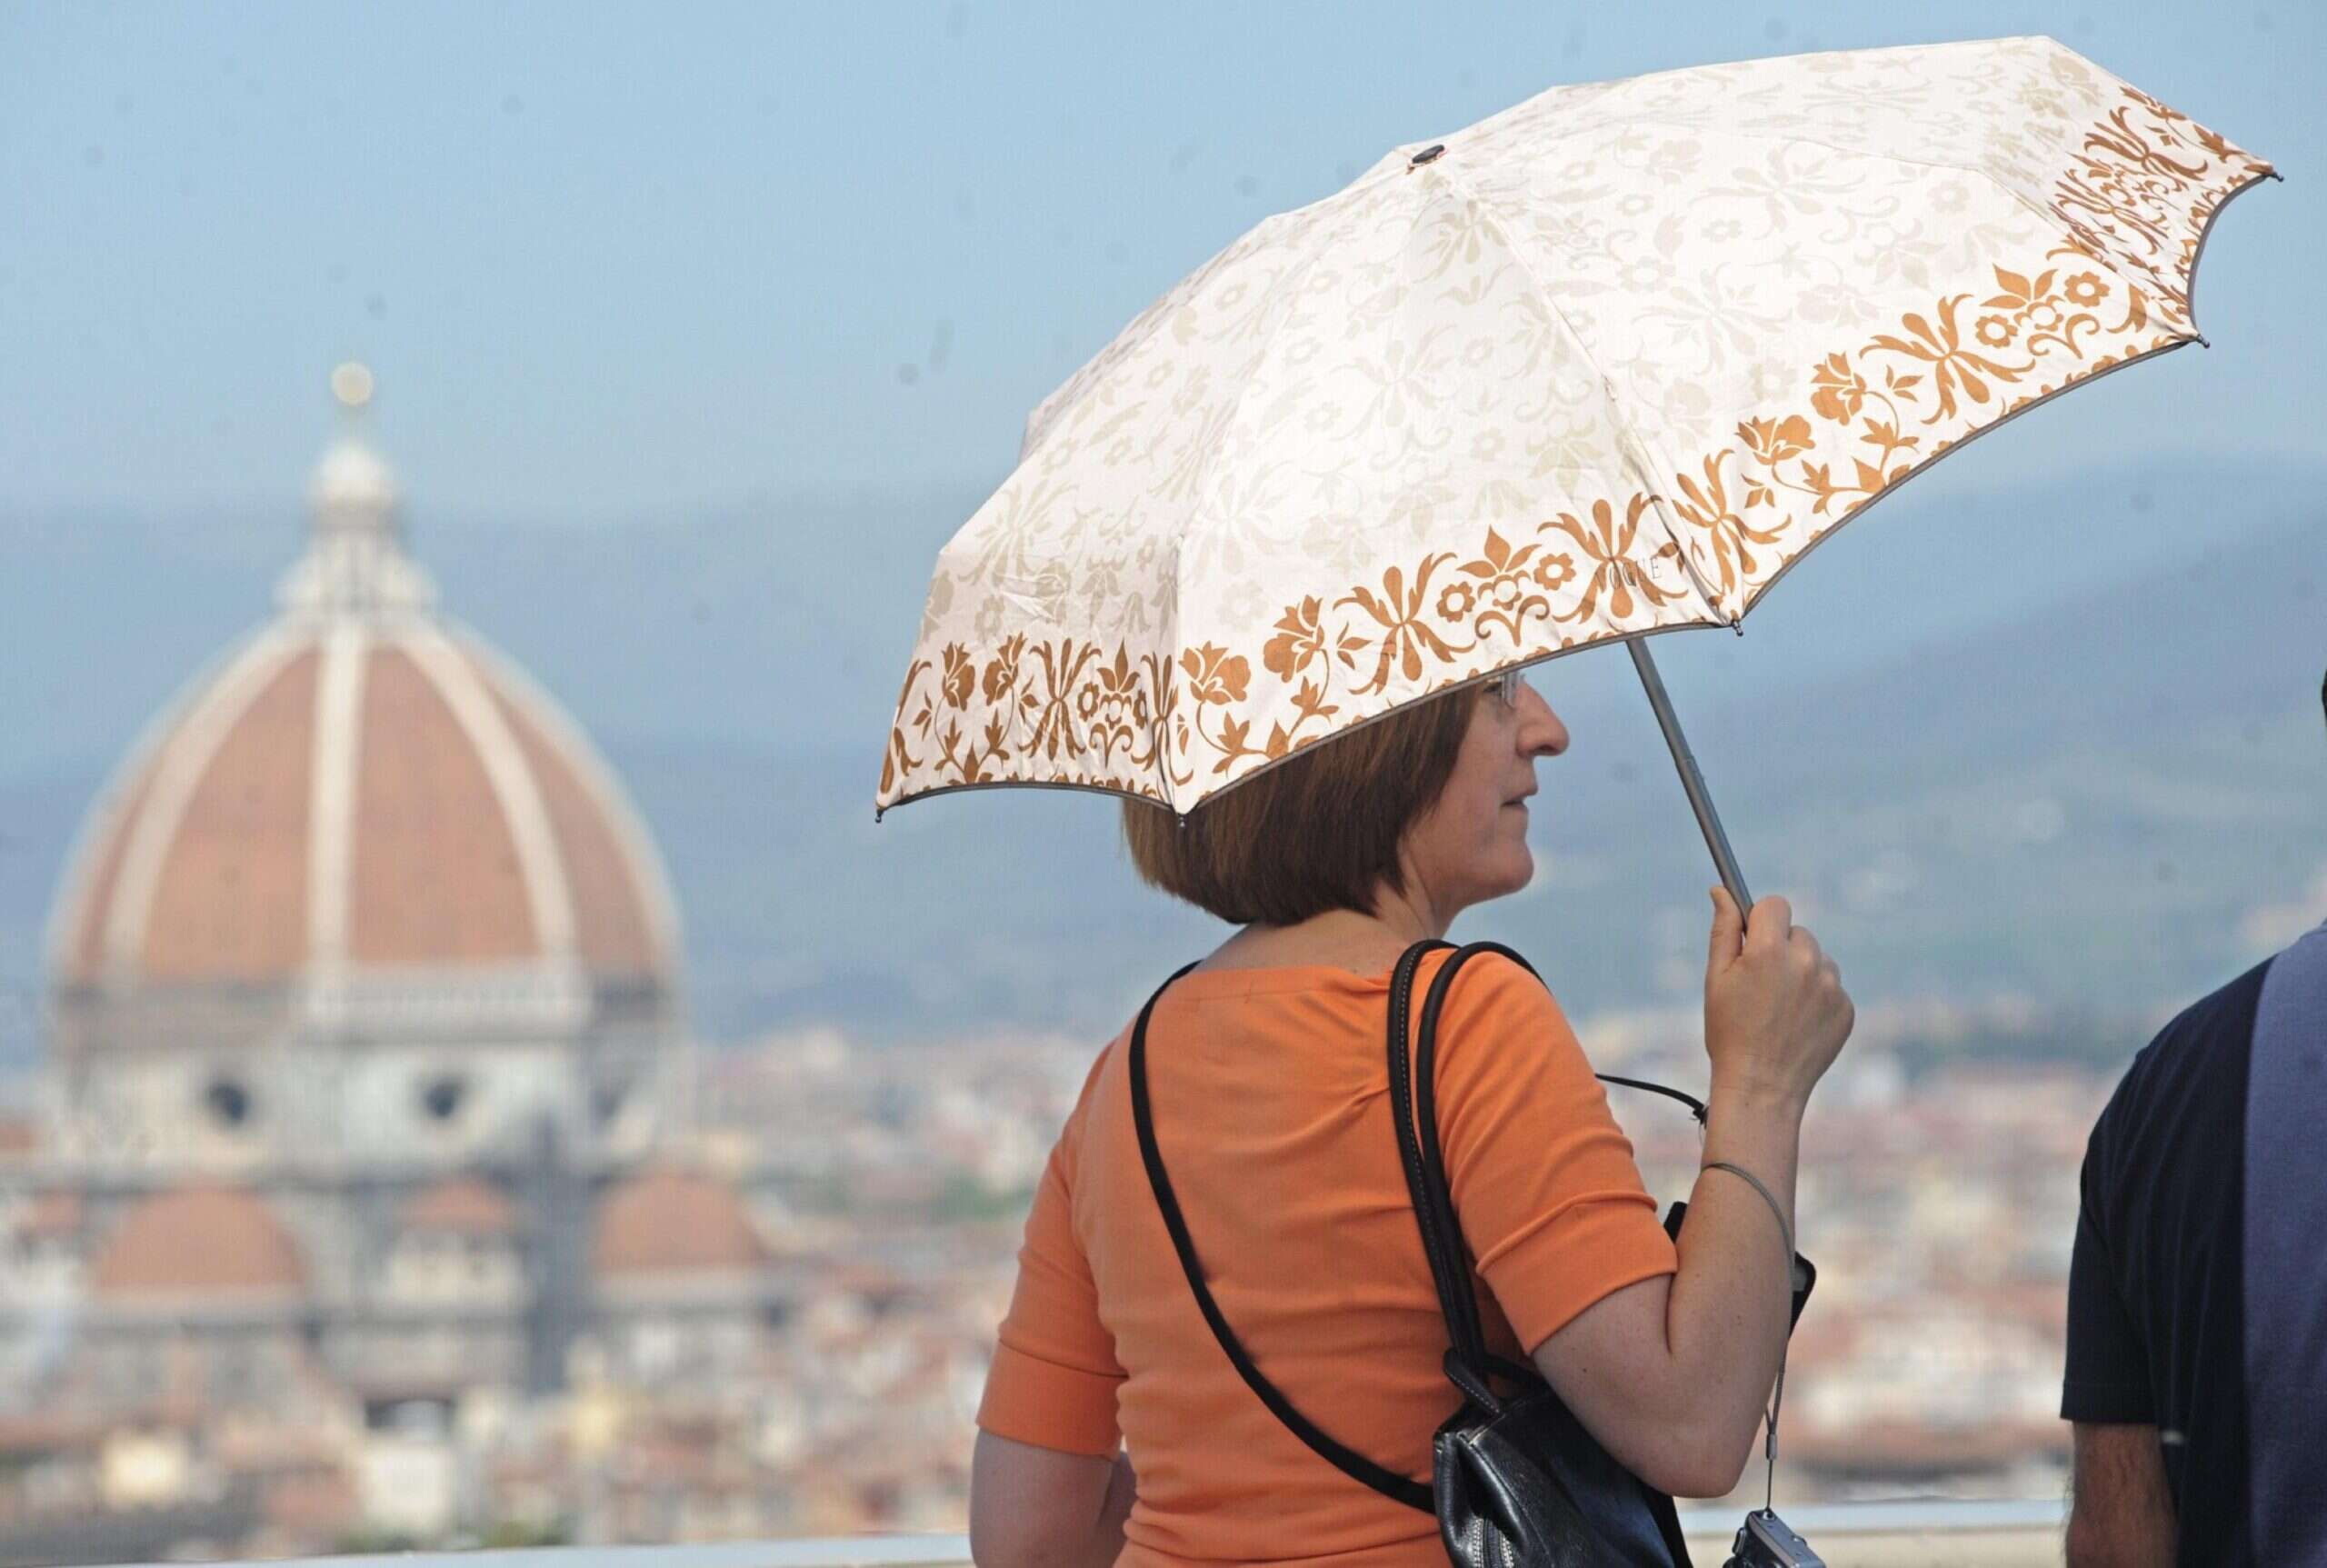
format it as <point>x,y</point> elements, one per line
<point>1766,1541</point>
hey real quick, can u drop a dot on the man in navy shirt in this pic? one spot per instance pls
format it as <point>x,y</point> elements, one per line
<point>2197,1353</point>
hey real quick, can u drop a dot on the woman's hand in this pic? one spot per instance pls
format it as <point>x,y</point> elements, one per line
<point>1776,1014</point>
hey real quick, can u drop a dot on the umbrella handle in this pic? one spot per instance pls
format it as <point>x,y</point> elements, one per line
<point>1691,781</point>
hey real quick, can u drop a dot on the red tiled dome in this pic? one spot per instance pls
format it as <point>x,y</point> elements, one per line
<point>363,785</point>
<point>674,1223</point>
<point>198,1240</point>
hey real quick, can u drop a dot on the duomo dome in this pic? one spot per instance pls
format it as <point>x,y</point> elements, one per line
<point>370,1078</point>
<point>362,827</point>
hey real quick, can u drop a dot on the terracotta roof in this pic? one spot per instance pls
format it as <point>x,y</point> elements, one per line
<point>199,1241</point>
<point>436,873</point>
<point>230,898</point>
<point>464,1205</point>
<point>610,910</point>
<point>673,1222</point>
<point>468,820</point>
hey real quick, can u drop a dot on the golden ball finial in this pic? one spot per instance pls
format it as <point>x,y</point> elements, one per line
<point>352,384</point>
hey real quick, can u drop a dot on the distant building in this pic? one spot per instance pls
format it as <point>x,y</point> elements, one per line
<point>367,1060</point>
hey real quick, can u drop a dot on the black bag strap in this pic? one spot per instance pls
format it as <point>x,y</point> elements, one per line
<point>1696,1106</point>
<point>1415,1110</point>
<point>1468,1365</point>
<point>1355,1465</point>
<point>1442,1236</point>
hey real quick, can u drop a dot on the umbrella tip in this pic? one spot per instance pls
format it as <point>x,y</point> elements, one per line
<point>2278,176</point>
<point>2203,342</point>
<point>878,813</point>
<point>1434,150</point>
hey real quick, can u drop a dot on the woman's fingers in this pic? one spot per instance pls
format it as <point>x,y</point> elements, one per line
<point>1770,923</point>
<point>1728,931</point>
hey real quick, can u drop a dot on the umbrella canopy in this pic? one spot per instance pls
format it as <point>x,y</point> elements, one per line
<point>1603,365</point>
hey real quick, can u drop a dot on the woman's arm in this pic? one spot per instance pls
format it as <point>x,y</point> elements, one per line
<point>1056,1493</point>
<point>1672,1373</point>
<point>1040,1508</point>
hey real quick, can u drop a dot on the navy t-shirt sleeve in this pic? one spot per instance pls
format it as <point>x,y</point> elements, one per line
<point>2108,1359</point>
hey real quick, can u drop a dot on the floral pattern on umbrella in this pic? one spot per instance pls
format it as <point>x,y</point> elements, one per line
<point>1425,430</point>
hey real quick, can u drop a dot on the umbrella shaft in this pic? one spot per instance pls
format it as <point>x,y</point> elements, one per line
<point>1692,780</point>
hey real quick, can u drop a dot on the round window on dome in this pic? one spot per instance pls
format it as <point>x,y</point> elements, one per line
<point>441,1098</point>
<point>229,1102</point>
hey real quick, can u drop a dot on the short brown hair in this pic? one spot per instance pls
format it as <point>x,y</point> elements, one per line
<point>1319,830</point>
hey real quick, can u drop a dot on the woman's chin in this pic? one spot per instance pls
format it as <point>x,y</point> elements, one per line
<point>1516,874</point>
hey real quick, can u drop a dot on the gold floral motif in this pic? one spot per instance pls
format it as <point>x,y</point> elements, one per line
<point>2128,187</point>
<point>1706,505</point>
<point>1837,390</point>
<point>1002,673</point>
<point>1214,675</point>
<point>1954,367</point>
<point>1301,639</point>
<point>1503,590</point>
<point>1113,705</point>
<point>1062,665</point>
<point>1773,441</point>
<point>1405,636</point>
<point>1607,545</point>
<point>961,676</point>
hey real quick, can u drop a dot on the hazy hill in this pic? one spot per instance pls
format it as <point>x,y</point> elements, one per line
<point>2046,742</point>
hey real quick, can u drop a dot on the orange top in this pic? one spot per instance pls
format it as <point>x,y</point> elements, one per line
<point>1271,1105</point>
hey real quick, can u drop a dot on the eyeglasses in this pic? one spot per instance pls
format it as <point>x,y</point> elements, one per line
<point>1506,687</point>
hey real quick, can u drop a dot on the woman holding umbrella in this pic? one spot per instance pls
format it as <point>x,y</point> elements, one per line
<point>1600,367</point>
<point>1269,1091</point>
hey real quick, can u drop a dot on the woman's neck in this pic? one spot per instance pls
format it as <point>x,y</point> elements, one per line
<point>1363,943</point>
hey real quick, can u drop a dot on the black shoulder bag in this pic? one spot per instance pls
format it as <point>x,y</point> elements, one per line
<point>1516,1479</point>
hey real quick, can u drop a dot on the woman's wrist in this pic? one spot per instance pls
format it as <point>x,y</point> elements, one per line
<point>1741,1094</point>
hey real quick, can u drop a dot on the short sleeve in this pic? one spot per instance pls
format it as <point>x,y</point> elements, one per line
<point>1054,1374</point>
<point>2107,1378</point>
<point>1549,1197</point>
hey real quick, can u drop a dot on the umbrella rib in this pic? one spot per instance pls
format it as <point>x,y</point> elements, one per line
<point>1637,445</point>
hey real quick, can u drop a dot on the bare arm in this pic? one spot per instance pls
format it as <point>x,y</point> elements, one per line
<point>1040,1508</point>
<point>1672,1374</point>
<point>2120,1512</point>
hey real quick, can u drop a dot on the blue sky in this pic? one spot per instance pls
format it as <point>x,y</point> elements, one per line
<point>626,263</point>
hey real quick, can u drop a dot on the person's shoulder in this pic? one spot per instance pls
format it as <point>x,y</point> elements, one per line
<point>2222,1020</point>
<point>1110,1055</point>
<point>1491,978</point>
<point>1495,995</point>
<point>2184,1061</point>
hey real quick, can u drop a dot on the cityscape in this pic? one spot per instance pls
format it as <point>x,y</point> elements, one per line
<point>375,1192</point>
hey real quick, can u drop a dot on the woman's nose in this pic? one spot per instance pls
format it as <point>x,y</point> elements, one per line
<point>1541,734</point>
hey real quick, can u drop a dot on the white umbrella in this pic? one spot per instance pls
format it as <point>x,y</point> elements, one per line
<point>1603,365</point>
